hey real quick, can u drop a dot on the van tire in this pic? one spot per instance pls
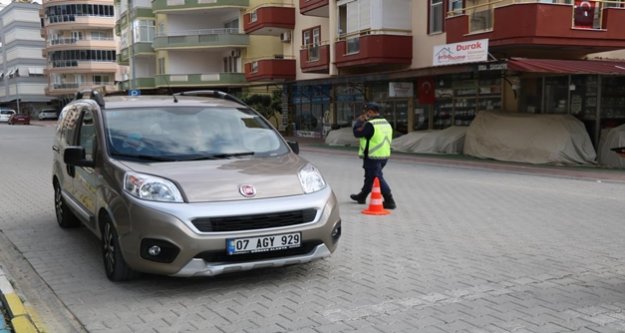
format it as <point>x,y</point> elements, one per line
<point>114,264</point>
<point>64,216</point>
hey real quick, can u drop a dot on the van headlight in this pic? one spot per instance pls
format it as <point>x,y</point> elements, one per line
<point>151,188</point>
<point>311,179</point>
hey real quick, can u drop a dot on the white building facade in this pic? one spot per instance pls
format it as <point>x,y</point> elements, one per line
<point>22,81</point>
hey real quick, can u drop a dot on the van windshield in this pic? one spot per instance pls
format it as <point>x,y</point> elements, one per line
<point>189,133</point>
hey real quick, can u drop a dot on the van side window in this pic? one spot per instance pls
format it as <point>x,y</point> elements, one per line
<point>86,136</point>
<point>69,125</point>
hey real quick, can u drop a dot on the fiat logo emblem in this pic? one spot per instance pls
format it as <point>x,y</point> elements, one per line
<point>247,190</point>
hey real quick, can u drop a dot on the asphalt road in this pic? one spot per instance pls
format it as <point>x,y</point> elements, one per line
<point>467,250</point>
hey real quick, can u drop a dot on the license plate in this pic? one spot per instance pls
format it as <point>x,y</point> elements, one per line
<point>263,243</point>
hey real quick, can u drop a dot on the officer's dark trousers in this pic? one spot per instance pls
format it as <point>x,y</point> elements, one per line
<point>373,168</point>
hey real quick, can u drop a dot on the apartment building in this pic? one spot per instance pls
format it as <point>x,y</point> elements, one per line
<point>22,83</point>
<point>173,45</point>
<point>81,47</point>
<point>431,63</point>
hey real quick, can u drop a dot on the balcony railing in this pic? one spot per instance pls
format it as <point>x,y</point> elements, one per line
<point>201,38</point>
<point>165,5</point>
<point>585,14</point>
<point>71,40</point>
<point>190,80</point>
<point>315,58</point>
<point>574,27</point>
<point>76,85</point>
<point>139,83</point>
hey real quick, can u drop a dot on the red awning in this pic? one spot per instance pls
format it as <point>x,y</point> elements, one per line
<point>567,66</point>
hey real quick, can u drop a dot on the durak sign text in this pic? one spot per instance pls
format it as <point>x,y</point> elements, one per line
<point>460,53</point>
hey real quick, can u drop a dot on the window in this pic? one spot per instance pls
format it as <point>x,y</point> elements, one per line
<point>99,35</point>
<point>253,17</point>
<point>311,39</point>
<point>455,7</point>
<point>161,66</point>
<point>144,31</point>
<point>86,138</point>
<point>76,35</point>
<point>435,16</point>
<point>354,16</point>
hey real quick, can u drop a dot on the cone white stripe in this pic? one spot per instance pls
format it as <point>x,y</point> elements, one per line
<point>376,202</point>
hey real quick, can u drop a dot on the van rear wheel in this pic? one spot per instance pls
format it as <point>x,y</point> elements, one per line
<point>114,264</point>
<point>64,215</point>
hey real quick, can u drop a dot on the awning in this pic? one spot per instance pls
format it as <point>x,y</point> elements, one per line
<point>603,67</point>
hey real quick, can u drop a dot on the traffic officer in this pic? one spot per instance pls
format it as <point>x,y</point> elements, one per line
<point>375,134</point>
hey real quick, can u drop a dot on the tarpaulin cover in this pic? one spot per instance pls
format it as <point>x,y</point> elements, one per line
<point>567,66</point>
<point>446,141</point>
<point>612,138</point>
<point>342,137</point>
<point>529,138</point>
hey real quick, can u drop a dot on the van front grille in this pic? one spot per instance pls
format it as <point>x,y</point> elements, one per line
<point>252,222</point>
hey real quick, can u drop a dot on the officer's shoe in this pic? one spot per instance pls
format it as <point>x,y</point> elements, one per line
<point>389,202</point>
<point>361,198</point>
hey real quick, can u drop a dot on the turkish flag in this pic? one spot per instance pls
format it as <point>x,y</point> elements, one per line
<point>425,90</point>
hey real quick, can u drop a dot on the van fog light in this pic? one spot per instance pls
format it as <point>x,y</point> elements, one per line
<point>336,232</point>
<point>154,250</point>
<point>158,250</point>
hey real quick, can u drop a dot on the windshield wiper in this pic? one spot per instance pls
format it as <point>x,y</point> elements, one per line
<point>218,156</point>
<point>144,157</point>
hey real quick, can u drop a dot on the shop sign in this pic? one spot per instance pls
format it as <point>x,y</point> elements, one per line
<point>400,89</point>
<point>501,66</point>
<point>308,134</point>
<point>460,53</point>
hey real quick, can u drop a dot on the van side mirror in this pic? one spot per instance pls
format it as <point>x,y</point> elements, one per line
<point>75,156</point>
<point>294,146</point>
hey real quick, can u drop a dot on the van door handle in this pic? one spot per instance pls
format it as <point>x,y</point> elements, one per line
<point>55,148</point>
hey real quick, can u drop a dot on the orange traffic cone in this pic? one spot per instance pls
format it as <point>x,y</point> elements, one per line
<point>375,204</point>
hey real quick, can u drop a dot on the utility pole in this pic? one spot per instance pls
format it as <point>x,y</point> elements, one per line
<point>131,47</point>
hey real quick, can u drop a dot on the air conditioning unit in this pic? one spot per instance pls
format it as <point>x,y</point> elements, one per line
<point>235,53</point>
<point>285,37</point>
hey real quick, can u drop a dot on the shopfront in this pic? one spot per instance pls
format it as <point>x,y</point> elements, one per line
<point>311,106</point>
<point>592,91</point>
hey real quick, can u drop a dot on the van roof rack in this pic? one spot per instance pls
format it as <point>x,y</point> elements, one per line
<point>93,94</point>
<point>210,93</point>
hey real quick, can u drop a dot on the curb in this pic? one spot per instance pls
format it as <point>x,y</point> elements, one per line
<point>21,320</point>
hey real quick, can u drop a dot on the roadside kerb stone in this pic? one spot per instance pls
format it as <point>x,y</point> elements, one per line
<point>21,320</point>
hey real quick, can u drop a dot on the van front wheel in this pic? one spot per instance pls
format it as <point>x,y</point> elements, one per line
<point>114,264</point>
<point>64,216</point>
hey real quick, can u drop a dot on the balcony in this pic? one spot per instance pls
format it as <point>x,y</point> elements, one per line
<point>269,20</point>
<point>79,21</point>
<point>199,80</point>
<point>144,83</point>
<point>373,50</point>
<point>69,43</point>
<point>315,59</point>
<point>273,69</point>
<point>204,38</point>
<point>319,8</point>
<point>139,49</point>
<point>164,6</point>
<point>70,88</point>
<point>79,66</point>
<point>560,29</point>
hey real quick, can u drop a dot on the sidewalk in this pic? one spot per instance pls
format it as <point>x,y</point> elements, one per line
<point>592,173</point>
